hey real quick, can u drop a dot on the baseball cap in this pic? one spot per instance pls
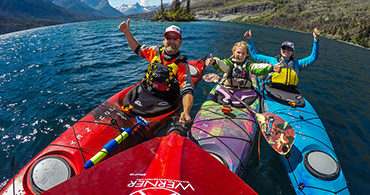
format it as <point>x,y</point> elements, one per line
<point>174,29</point>
<point>288,44</point>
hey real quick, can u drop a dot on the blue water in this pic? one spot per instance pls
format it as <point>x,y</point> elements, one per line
<point>51,77</point>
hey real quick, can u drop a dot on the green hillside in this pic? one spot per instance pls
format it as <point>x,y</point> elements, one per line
<point>345,20</point>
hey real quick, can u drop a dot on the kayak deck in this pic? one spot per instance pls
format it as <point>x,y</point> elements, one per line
<point>228,137</point>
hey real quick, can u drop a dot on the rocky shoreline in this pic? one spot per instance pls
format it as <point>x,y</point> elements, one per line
<point>350,25</point>
<point>227,14</point>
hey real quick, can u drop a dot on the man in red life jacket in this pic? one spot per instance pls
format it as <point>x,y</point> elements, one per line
<point>168,74</point>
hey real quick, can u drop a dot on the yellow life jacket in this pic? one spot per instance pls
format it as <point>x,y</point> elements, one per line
<point>287,76</point>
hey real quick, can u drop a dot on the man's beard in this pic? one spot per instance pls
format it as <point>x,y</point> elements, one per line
<point>171,49</point>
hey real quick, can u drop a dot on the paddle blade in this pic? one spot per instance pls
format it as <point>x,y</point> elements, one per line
<point>170,165</point>
<point>277,132</point>
<point>211,77</point>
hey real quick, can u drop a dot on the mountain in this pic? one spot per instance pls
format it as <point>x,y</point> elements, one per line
<point>77,6</point>
<point>39,10</point>
<point>104,7</point>
<point>136,9</point>
<point>345,20</point>
<point>18,15</point>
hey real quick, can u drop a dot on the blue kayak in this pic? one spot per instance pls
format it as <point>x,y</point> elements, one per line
<point>311,164</point>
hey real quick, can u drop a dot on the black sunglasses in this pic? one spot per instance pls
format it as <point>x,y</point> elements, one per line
<point>286,48</point>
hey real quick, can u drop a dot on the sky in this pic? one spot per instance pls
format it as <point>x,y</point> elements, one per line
<point>116,3</point>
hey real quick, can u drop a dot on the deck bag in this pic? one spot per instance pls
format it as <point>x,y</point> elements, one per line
<point>145,104</point>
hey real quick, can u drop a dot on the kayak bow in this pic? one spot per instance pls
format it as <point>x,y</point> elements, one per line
<point>170,165</point>
<point>66,156</point>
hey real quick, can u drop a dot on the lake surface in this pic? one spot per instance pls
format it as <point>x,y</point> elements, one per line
<point>51,77</point>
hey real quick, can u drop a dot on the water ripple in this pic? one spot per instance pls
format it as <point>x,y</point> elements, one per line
<point>50,77</point>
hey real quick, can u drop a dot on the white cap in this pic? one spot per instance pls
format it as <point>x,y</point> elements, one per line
<point>174,29</point>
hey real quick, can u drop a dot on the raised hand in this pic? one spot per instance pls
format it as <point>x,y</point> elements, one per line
<point>210,60</point>
<point>277,67</point>
<point>248,34</point>
<point>125,26</point>
<point>316,34</point>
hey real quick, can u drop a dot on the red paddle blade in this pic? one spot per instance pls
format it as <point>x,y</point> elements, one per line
<point>277,132</point>
<point>170,165</point>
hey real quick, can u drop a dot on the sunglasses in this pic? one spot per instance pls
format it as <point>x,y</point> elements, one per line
<point>175,38</point>
<point>286,48</point>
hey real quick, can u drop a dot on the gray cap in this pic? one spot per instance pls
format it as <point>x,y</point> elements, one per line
<point>288,44</point>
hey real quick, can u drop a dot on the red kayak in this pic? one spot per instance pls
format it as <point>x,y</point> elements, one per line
<point>111,121</point>
<point>170,165</point>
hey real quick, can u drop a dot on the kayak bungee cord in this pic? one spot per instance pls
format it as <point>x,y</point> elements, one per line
<point>317,141</point>
<point>113,123</point>
<point>307,121</point>
<point>218,138</point>
<point>301,186</point>
<point>78,143</point>
<point>113,144</point>
<point>72,147</point>
<point>295,121</point>
<point>234,108</point>
<point>124,114</point>
<point>291,109</point>
<point>227,117</point>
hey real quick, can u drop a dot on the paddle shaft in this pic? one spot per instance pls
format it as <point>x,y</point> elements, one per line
<point>260,132</point>
<point>107,148</point>
<point>113,144</point>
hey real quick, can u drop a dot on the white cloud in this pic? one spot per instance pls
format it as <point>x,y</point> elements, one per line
<point>116,3</point>
<point>143,2</point>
